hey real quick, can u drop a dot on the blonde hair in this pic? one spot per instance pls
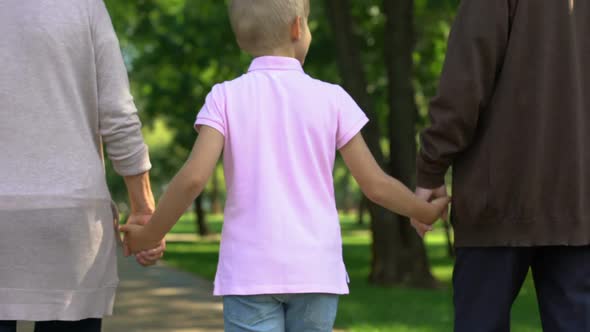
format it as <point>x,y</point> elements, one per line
<point>263,25</point>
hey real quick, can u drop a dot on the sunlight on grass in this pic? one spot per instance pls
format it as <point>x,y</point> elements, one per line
<point>368,308</point>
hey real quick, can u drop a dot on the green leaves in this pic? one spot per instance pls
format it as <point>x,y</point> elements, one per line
<point>176,50</point>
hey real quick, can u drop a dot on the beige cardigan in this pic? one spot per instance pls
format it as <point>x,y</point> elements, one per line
<point>63,89</point>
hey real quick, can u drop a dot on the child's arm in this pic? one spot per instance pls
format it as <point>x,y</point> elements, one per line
<point>383,189</point>
<point>181,193</point>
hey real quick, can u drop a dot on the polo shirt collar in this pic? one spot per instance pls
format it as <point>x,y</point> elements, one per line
<point>275,63</point>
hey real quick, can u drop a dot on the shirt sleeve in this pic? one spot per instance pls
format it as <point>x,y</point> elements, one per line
<point>119,124</point>
<point>351,119</point>
<point>213,112</point>
<point>475,56</point>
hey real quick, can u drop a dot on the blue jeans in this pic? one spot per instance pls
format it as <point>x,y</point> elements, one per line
<point>280,313</point>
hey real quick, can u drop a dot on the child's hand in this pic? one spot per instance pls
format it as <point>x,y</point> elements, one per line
<point>438,208</point>
<point>430,195</point>
<point>137,240</point>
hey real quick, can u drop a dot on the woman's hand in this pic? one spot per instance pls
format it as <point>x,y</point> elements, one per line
<point>147,257</point>
<point>138,240</point>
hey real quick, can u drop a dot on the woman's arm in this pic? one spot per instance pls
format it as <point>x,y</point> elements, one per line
<point>140,193</point>
<point>119,124</point>
<point>143,206</point>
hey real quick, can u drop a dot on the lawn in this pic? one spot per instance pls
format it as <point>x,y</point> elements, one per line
<point>368,308</point>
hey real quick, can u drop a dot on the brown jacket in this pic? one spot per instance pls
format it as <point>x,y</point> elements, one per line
<point>513,120</point>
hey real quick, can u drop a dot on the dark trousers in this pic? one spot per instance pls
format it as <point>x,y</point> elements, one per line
<point>87,325</point>
<point>487,281</point>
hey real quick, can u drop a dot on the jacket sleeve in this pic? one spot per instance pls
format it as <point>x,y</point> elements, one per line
<point>119,124</point>
<point>475,55</point>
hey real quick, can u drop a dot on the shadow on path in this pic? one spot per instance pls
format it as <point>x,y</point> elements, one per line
<point>161,299</point>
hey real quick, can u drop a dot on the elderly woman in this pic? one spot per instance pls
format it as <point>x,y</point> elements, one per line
<point>63,93</point>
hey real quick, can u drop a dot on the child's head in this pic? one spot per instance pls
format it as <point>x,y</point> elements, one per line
<point>271,27</point>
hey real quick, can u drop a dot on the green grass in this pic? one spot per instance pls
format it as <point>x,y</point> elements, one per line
<point>368,308</point>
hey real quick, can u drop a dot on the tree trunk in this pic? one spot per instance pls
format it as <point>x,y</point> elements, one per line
<point>361,210</point>
<point>398,256</point>
<point>215,193</point>
<point>347,204</point>
<point>398,52</point>
<point>201,217</point>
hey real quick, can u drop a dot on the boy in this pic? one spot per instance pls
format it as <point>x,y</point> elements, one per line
<point>280,265</point>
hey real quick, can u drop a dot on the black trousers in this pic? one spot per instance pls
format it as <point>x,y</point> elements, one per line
<point>487,281</point>
<point>87,325</point>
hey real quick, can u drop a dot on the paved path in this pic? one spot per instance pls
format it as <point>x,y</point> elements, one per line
<point>161,299</point>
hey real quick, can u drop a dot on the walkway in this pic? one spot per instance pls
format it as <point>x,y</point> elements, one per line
<point>161,299</point>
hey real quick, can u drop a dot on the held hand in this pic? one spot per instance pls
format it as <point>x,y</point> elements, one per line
<point>442,206</point>
<point>135,219</point>
<point>439,207</point>
<point>147,257</point>
<point>432,194</point>
<point>151,257</point>
<point>137,240</point>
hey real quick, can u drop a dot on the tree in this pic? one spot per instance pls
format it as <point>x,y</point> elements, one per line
<point>398,255</point>
<point>215,194</point>
<point>202,227</point>
<point>410,252</point>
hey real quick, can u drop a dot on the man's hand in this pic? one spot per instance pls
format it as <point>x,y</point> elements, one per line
<point>429,195</point>
<point>147,257</point>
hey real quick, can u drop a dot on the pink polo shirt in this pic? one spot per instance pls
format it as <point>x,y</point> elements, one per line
<point>282,129</point>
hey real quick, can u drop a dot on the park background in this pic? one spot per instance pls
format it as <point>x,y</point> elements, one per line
<point>388,54</point>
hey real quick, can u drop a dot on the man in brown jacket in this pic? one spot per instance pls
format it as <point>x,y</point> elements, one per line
<point>513,120</point>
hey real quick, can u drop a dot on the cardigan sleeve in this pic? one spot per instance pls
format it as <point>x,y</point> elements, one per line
<point>119,123</point>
